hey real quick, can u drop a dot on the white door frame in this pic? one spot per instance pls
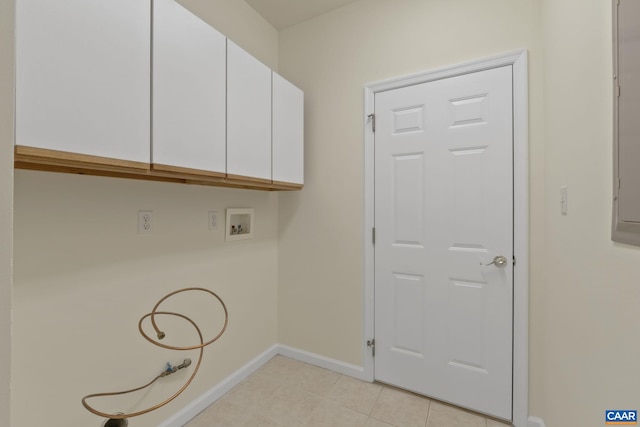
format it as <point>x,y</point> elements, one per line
<point>518,60</point>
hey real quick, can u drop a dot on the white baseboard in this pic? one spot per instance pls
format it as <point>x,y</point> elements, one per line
<point>536,422</point>
<point>187,413</point>
<point>323,362</point>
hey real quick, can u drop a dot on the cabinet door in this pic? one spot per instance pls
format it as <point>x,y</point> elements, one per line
<point>83,77</point>
<point>189,77</point>
<point>288,132</point>
<point>248,115</point>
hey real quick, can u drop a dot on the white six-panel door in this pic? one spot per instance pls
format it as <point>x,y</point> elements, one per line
<point>443,213</point>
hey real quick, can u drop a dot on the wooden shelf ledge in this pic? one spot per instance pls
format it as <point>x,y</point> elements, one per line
<point>41,159</point>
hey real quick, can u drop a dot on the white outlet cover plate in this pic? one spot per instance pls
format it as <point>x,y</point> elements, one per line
<point>145,223</point>
<point>213,220</point>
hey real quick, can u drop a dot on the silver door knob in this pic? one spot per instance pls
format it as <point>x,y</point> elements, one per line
<point>499,261</point>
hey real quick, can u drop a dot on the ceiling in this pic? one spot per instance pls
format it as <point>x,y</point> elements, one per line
<point>285,13</point>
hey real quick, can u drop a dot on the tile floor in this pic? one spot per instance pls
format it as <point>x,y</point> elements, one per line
<point>288,393</point>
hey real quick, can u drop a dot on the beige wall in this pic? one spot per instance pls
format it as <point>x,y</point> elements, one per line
<point>83,278</point>
<point>332,58</point>
<point>587,360</point>
<point>6,202</point>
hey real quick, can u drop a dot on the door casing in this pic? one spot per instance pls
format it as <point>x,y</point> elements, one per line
<point>518,60</point>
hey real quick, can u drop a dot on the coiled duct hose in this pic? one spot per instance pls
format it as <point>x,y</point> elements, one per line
<point>160,334</point>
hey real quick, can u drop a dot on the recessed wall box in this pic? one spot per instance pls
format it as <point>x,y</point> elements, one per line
<point>239,225</point>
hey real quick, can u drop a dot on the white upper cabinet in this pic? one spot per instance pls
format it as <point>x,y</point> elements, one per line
<point>189,91</point>
<point>248,115</point>
<point>83,77</point>
<point>146,89</point>
<point>288,132</point>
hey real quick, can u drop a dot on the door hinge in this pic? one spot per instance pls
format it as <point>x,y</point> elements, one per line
<point>618,90</point>
<point>373,235</point>
<point>514,260</point>
<point>372,343</point>
<point>372,116</point>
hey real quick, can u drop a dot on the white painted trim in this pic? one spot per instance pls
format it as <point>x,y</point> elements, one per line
<point>446,72</point>
<point>369,222</point>
<point>518,60</point>
<point>323,362</point>
<point>201,403</point>
<point>536,422</point>
<point>521,240</point>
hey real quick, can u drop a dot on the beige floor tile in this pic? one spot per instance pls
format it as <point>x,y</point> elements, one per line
<point>291,408</point>
<point>313,380</point>
<point>441,415</point>
<point>253,393</point>
<point>223,413</point>
<point>494,423</point>
<point>372,422</point>
<point>288,393</point>
<point>401,408</point>
<point>255,421</point>
<point>329,414</point>
<point>355,394</point>
<point>281,368</point>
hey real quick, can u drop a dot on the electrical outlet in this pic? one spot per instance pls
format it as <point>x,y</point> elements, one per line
<point>144,222</point>
<point>213,220</point>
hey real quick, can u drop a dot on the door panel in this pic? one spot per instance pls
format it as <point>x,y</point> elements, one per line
<point>408,204</point>
<point>443,211</point>
<point>408,298</point>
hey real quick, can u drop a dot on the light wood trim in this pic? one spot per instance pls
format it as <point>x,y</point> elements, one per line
<point>41,159</point>
<point>242,178</point>
<point>235,184</point>
<point>249,182</point>
<point>186,173</point>
<point>45,156</point>
<point>94,172</point>
<point>281,185</point>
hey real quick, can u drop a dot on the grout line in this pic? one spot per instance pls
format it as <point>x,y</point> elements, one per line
<point>426,421</point>
<point>375,401</point>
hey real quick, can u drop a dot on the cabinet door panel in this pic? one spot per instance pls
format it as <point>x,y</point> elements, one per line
<point>248,115</point>
<point>288,132</point>
<point>189,77</point>
<point>83,77</point>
